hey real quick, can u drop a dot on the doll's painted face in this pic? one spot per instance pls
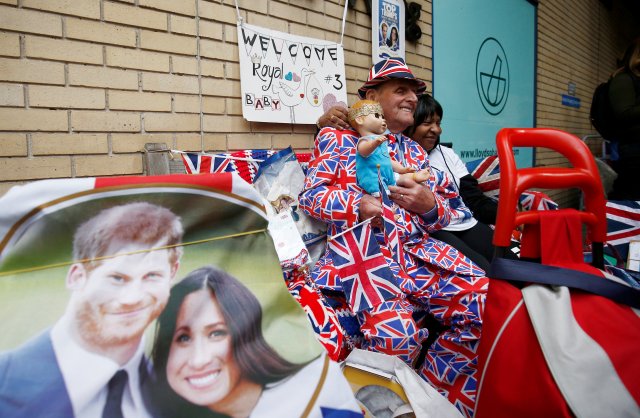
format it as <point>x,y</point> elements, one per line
<point>373,123</point>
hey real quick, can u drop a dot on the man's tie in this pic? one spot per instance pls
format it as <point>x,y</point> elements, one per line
<point>400,149</point>
<point>113,407</point>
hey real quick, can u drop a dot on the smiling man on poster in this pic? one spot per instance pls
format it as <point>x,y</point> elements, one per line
<point>91,363</point>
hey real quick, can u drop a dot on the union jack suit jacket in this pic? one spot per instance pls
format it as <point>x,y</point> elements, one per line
<point>332,195</point>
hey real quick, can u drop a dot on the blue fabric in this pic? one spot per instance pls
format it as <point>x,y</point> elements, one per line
<point>339,413</point>
<point>367,168</point>
<point>31,383</point>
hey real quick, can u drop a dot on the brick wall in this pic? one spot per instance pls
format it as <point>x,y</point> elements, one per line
<point>578,41</point>
<point>84,84</point>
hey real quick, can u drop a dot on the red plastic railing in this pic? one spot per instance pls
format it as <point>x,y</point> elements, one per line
<point>513,181</point>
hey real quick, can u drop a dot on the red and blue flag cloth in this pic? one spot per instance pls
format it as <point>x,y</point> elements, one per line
<point>623,224</point>
<point>391,233</point>
<point>322,316</point>
<point>390,328</point>
<point>366,277</point>
<point>244,162</point>
<point>487,172</point>
<point>534,200</point>
<point>388,69</point>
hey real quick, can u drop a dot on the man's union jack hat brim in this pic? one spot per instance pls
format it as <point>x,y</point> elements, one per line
<point>386,70</point>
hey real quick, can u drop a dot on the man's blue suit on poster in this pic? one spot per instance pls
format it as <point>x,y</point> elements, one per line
<point>32,386</point>
<point>31,383</point>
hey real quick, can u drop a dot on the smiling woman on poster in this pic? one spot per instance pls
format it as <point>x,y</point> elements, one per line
<point>394,41</point>
<point>211,359</point>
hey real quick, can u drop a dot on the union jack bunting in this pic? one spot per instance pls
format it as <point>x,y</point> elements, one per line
<point>534,200</point>
<point>391,235</point>
<point>487,172</point>
<point>366,277</point>
<point>623,224</point>
<point>447,257</point>
<point>244,162</point>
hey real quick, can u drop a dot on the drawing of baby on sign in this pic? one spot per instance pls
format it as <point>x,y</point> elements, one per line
<point>286,78</point>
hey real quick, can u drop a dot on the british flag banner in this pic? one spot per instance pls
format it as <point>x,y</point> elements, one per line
<point>366,277</point>
<point>391,234</point>
<point>487,172</point>
<point>245,162</point>
<point>623,224</point>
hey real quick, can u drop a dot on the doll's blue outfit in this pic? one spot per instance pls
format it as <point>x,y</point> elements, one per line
<point>367,167</point>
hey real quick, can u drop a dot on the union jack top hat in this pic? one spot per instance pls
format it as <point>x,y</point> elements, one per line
<point>386,70</point>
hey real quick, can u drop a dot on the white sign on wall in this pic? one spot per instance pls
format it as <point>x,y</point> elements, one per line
<point>286,78</point>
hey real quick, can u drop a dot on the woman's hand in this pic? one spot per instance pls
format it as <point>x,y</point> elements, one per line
<point>336,117</point>
<point>412,196</point>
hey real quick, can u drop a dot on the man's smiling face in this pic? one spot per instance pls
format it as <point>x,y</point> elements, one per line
<point>118,299</point>
<point>398,99</point>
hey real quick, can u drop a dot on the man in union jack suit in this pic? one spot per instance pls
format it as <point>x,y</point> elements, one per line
<point>432,277</point>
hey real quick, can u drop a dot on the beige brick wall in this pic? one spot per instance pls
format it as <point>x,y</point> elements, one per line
<point>85,84</point>
<point>578,42</point>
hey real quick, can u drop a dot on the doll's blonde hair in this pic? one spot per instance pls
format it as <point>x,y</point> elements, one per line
<point>363,108</point>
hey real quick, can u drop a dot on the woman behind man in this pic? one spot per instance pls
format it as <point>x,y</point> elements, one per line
<point>211,360</point>
<point>464,232</point>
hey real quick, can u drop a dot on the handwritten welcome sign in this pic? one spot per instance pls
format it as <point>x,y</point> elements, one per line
<point>286,78</point>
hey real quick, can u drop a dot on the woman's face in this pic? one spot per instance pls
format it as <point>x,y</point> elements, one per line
<point>394,34</point>
<point>427,133</point>
<point>201,367</point>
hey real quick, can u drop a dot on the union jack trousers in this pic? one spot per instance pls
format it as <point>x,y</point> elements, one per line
<point>434,278</point>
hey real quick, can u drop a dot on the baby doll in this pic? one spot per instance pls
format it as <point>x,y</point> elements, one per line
<point>372,152</point>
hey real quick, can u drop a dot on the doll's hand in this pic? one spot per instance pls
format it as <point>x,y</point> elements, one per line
<point>403,170</point>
